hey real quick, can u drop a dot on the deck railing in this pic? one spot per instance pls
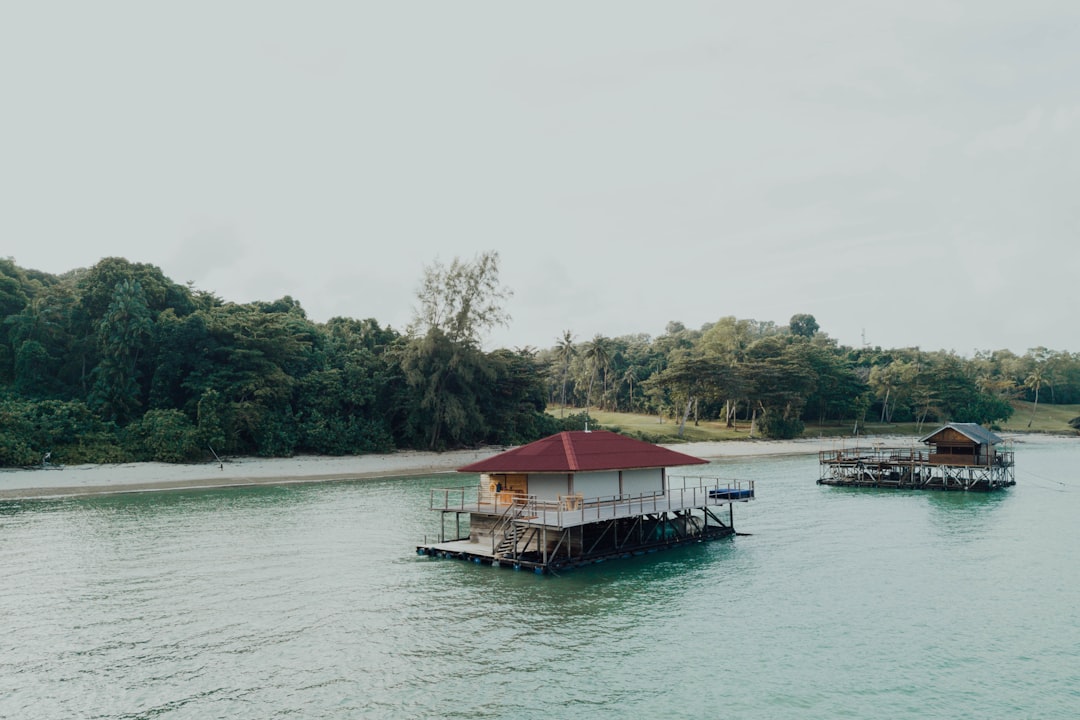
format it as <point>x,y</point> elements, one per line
<point>686,493</point>
<point>909,456</point>
<point>874,455</point>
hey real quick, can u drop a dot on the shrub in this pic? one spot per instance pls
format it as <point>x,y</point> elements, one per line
<point>578,421</point>
<point>16,452</point>
<point>67,430</point>
<point>93,448</point>
<point>655,439</point>
<point>778,428</point>
<point>164,436</point>
<point>334,435</point>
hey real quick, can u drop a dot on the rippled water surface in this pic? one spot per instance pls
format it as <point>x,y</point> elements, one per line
<point>308,601</point>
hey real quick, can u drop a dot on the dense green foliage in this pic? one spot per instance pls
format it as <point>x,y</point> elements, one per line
<point>117,362</point>
<point>781,378</point>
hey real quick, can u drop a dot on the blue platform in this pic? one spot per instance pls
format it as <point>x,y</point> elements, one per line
<point>731,494</point>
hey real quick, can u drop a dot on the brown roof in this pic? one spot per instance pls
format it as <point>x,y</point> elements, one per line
<point>972,431</point>
<point>582,451</point>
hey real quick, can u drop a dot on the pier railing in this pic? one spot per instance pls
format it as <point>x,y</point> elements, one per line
<point>682,493</point>
<point>878,456</point>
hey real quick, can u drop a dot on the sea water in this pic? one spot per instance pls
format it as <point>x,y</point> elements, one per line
<point>309,601</point>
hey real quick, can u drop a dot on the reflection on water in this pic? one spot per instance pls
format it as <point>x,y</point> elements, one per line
<point>966,512</point>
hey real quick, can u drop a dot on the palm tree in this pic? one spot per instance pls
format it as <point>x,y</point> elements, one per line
<point>598,356</point>
<point>564,349</point>
<point>630,376</point>
<point>1034,381</point>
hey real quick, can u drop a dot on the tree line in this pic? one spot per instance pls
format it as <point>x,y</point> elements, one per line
<point>117,362</point>
<point>779,378</point>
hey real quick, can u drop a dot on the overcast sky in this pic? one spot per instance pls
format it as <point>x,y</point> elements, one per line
<point>907,172</point>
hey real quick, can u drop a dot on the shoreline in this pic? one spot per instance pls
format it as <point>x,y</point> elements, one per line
<point>85,480</point>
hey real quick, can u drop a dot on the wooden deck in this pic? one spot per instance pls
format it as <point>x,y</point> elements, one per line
<point>910,469</point>
<point>545,535</point>
<point>483,553</point>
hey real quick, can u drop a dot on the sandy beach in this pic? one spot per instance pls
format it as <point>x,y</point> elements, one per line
<point>143,477</point>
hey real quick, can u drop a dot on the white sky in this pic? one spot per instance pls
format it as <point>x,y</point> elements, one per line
<point>906,171</point>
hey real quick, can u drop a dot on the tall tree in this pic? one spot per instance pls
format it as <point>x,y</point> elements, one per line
<point>1034,382</point>
<point>730,339</point>
<point>598,358</point>
<point>124,335</point>
<point>564,350</point>
<point>629,377</point>
<point>837,387</point>
<point>892,384</point>
<point>690,378</point>
<point>512,404</point>
<point>442,361</point>
<point>803,325</point>
<point>462,301</point>
<point>13,299</point>
<point>447,378</point>
<point>779,381</point>
<point>46,319</point>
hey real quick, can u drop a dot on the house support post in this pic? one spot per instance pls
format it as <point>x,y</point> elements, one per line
<point>543,542</point>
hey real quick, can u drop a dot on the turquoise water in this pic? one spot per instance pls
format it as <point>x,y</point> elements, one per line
<point>308,601</point>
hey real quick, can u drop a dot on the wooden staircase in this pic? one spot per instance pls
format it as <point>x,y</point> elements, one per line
<point>507,547</point>
<point>504,535</point>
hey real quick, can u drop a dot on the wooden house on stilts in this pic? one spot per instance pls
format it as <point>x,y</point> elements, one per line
<point>958,456</point>
<point>580,497</point>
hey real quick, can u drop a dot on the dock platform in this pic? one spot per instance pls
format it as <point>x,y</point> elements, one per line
<point>914,469</point>
<point>526,532</point>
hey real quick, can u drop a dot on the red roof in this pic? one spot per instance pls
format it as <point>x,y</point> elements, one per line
<point>582,451</point>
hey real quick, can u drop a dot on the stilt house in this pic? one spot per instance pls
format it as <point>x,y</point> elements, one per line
<point>959,456</point>
<point>580,497</point>
<point>963,444</point>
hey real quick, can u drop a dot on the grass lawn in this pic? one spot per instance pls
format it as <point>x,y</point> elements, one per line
<point>666,430</point>
<point>1048,419</point>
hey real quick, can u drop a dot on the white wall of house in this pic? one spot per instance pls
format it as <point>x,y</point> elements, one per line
<point>637,482</point>
<point>596,484</point>
<point>549,487</point>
